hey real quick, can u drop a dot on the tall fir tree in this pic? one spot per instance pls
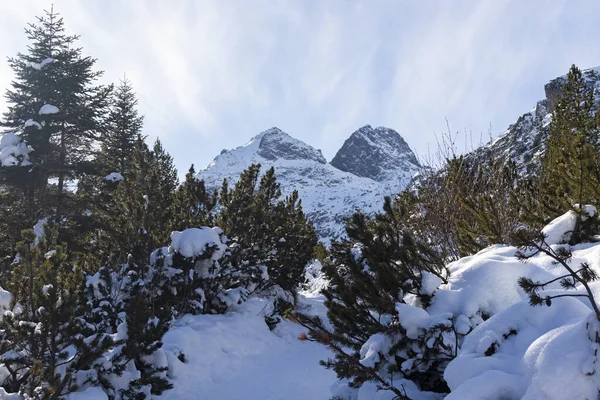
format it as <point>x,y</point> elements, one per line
<point>124,126</point>
<point>55,105</point>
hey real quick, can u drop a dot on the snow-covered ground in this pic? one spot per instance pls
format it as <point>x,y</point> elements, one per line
<point>511,350</point>
<point>508,349</point>
<point>236,356</point>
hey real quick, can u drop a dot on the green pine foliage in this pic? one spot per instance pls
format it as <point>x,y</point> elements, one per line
<point>193,204</point>
<point>62,141</point>
<point>135,215</point>
<point>531,243</point>
<point>93,296</point>
<point>124,127</point>
<point>44,336</point>
<point>377,267</point>
<point>268,227</point>
<point>91,301</point>
<point>437,209</point>
<point>490,205</point>
<point>571,167</point>
<point>295,246</point>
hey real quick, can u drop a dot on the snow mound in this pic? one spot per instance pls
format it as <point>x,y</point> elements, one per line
<point>48,109</point>
<point>236,356</point>
<point>559,230</point>
<point>92,393</point>
<point>521,351</point>
<point>41,65</point>
<point>4,302</point>
<point>4,395</point>
<point>9,139</point>
<point>47,61</point>
<point>315,279</point>
<point>31,122</point>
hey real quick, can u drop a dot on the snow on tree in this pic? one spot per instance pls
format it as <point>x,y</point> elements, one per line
<point>48,109</point>
<point>114,177</point>
<point>14,151</point>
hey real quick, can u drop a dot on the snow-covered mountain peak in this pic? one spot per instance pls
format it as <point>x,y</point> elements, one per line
<point>328,194</point>
<point>378,153</point>
<point>268,146</point>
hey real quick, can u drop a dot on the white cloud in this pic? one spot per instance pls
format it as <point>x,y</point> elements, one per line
<point>211,74</point>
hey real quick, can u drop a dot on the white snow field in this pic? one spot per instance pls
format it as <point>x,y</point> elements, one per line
<point>236,356</point>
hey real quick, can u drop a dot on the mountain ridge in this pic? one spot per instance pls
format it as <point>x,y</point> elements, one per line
<point>328,194</point>
<point>524,141</point>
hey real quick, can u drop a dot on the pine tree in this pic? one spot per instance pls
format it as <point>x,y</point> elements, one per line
<point>371,274</point>
<point>436,207</point>
<point>295,246</point>
<point>235,217</point>
<point>267,228</point>
<point>133,216</point>
<point>45,331</point>
<point>489,205</point>
<point>532,243</point>
<point>163,181</point>
<point>192,204</point>
<point>571,166</point>
<point>130,235</point>
<point>56,107</point>
<point>124,126</point>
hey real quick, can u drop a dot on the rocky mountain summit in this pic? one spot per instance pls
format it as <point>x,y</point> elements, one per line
<point>379,153</point>
<point>276,144</point>
<point>329,193</point>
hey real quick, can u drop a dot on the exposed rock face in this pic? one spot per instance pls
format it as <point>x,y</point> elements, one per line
<point>276,144</point>
<point>553,90</point>
<point>374,162</point>
<point>379,153</point>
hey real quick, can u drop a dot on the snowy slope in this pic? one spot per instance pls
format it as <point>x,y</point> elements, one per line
<point>328,194</point>
<point>235,356</point>
<point>542,353</point>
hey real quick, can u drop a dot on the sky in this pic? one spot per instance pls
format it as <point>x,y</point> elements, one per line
<point>211,74</point>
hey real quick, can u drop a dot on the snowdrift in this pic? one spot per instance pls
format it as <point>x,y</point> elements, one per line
<point>522,351</point>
